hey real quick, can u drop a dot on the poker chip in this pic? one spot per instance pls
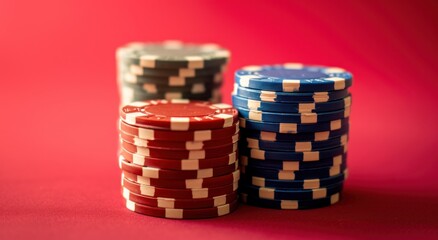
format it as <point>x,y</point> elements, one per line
<point>294,122</point>
<point>301,146</point>
<point>282,137</point>
<point>291,194</point>
<point>294,174</point>
<point>183,213</point>
<point>178,72</point>
<point>178,145</point>
<point>210,182</point>
<point>256,105</point>
<point>294,184</point>
<point>289,97</point>
<point>179,155</point>
<point>179,115</point>
<point>303,118</point>
<point>173,54</point>
<point>292,127</point>
<point>196,135</point>
<point>152,88</point>
<point>172,81</point>
<point>292,165</point>
<point>290,204</point>
<point>179,203</point>
<point>158,173</point>
<point>183,164</point>
<point>292,155</point>
<point>133,95</point>
<point>293,77</point>
<point>194,193</point>
<point>170,70</point>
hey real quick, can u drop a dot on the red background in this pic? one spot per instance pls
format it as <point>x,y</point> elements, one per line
<point>58,95</point>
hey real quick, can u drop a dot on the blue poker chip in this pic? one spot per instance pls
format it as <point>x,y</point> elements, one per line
<point>292,128</point>
<point>304,118</point>
<point>294,77</point>
<point>294,175</point>
<point>287,97</point>
<point>293,146</point>
<point>291,194</point>
<point>290,204</point>
<point>250,104</point>
<point>293,156</point>
<point>292,165</point>
<point>285,137</point>
<point>294,184</point>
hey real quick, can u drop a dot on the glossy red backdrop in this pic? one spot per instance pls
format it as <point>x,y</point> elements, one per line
<point>58,95</point>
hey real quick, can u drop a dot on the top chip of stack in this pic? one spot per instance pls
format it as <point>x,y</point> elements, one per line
<point>179,158</point>
<point>171,70</point>
<point>294,133</point>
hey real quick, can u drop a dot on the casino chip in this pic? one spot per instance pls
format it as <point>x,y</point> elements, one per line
<point>186,183</point>
<point>170,70</point>
<point>179,203</point>
<point>294,123</point>
<point>289,97</point>
<point>294,77</point>
<point>183,213</point>
<point>290,204</point>
<point>179,158</point>
<point>179,115</point>
<point>180,136</point>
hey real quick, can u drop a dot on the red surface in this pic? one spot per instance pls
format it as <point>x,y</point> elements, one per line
<point>59,175</point>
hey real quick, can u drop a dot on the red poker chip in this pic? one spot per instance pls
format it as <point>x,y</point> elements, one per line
<point>185,183</point>
<point>179,115</point>
<point>178,145</point>
<point>198,135</point>
<point>151,172</point>
<point>179,203</point>
<point>180,154</point>
<point>182,213</point>
<point>185,164</point>
<point>195,193</point>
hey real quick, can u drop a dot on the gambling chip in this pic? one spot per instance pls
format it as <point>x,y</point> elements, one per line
<point>179,115</point>
<point>294,77</point>
<point>294,122</point>
<point>179,158</point>
<point>182,213</point>
<point>171,70</point>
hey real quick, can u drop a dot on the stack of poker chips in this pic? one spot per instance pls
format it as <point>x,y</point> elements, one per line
<point>170,70</point>
<point>179,158</point>
<point>294,130</point>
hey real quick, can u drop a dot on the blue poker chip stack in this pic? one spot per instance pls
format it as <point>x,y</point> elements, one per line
<point>294,123</point>
<point>170,70</point>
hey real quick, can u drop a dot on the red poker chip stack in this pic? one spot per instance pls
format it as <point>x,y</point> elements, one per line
<point>179,158</point>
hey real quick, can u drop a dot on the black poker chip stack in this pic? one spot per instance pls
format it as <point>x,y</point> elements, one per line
<point>170,70</point>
